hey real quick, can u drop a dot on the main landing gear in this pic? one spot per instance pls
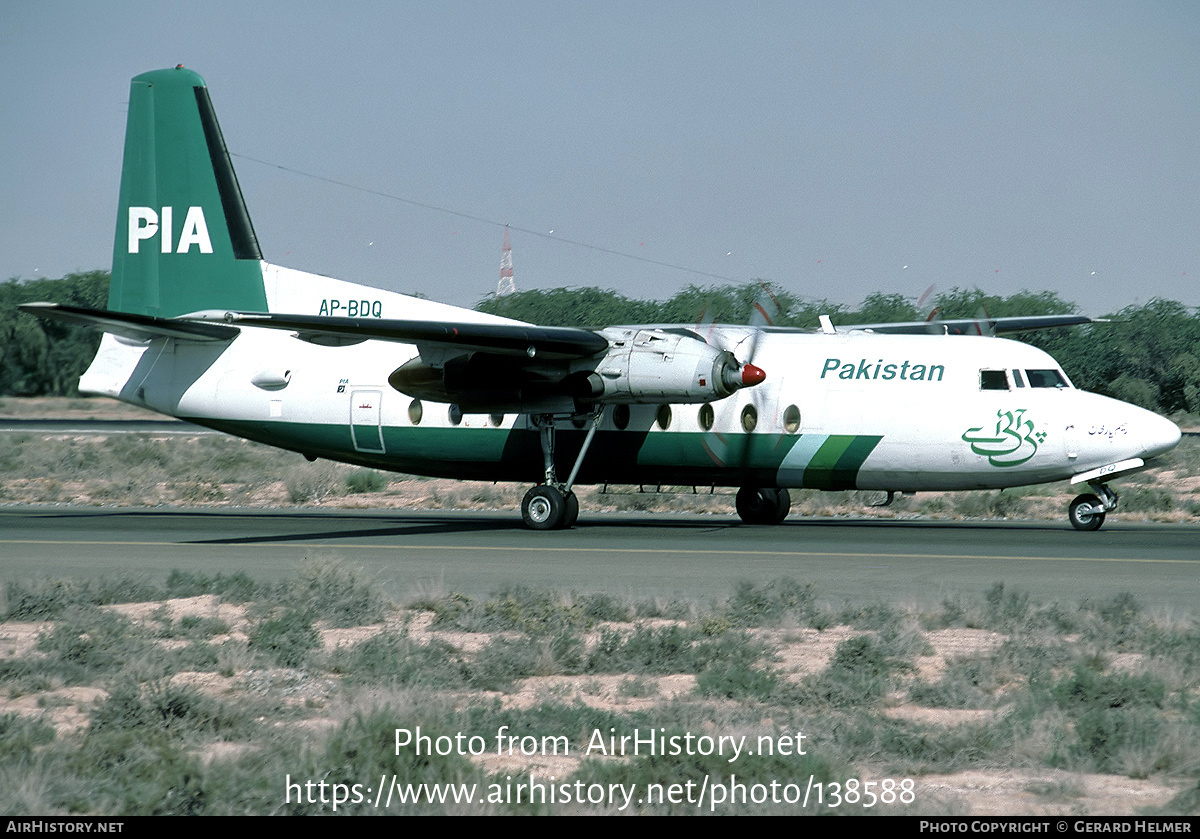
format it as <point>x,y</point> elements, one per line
<point>762,505</point>
<point>552,505</point>
<point>1087,511</point>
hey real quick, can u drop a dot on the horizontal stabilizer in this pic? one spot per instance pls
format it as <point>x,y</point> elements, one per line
<point>550,343</point>
<point>133,327</point>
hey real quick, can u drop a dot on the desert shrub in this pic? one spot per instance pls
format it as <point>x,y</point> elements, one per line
<point>735,680</point>
<point>88,642</point>
<point>989,504</point>
<point>859,674</point>
<point>647,649</point>
<point>1087,689</point>
<point>287,639</point>
<point>171,708</point>
<point>872,616</point>
<point>911,748</point>
<point>534,611</point>
<point>133,772</point>
<point>313,481</point>
<point>966,683</point>
<point>501,663</point>
<point>21,735</point>
<point>237,587</point>
<point>604,607</point>
<point>515,609</point>
<point>1115,623</point>
<point>1105,736</point>
<point>1139,499</point>
<point>367,480</point>
<point>51,599</point>
<point>334,592</point>
<point>771,603</point>
<point>391,658</point>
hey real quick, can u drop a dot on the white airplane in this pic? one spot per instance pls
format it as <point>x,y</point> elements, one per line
<point>200,327</point>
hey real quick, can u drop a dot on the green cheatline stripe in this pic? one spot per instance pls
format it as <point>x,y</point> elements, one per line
<point>835,465</point>
<point>845,474</point>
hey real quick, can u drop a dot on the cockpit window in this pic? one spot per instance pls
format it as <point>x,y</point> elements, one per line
<point>1018,378</point>
<point>1046,378</point>
<point>993,380</point>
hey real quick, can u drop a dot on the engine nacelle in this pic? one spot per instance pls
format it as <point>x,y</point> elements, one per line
<point>666,365</point>
<point>642,365</point>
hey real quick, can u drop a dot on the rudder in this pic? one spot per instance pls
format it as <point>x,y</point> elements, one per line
<point>184,241</point>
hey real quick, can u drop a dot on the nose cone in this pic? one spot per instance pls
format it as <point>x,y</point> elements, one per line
<point>752,375</point>
<point>1158,435</point>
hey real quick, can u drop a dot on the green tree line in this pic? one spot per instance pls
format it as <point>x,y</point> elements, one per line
<point>40,357</point>
<point>1148,354</point>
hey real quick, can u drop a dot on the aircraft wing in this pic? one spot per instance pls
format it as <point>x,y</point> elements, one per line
<point>971,326</point>
<point>134,327</point>
<point>547,343</point>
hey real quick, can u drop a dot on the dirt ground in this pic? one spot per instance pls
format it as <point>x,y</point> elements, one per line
<point>1008,792</point>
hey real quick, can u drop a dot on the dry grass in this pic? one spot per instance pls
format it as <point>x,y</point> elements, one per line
<point>204,721</point>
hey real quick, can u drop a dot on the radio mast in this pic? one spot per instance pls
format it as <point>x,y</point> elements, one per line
<point>506,285</point>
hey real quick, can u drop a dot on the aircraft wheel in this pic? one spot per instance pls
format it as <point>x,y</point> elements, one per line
<point>544,508</point>
<point>757,505</point>
<point>572,502</point>
<point>783,506</point>
<point>1081,515</point>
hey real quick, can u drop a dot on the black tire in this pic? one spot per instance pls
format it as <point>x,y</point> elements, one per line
<point>572,501</point>
<point>783,506</point>
<point>1081,520</point>
<point>543,508</point>
<point>758,505</point>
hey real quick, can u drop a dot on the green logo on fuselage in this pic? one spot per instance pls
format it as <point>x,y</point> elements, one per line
<point>1015,441</point>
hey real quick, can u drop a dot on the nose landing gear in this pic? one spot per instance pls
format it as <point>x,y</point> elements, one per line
<point>1087,511</point>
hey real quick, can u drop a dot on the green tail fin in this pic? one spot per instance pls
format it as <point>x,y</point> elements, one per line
<point>184,240</point>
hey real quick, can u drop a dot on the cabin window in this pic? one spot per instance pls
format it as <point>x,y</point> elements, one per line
<point>415,412</point>
<point>620,416</point>
<point>706,417</point>
<point>791,419</point>
<point>749,418</point>
<point>1018,378</point>
<point>455,413</point>
<point>664,417</point>
<point>497,420</point>
<point>993,380</point>
<point>1046,378</point>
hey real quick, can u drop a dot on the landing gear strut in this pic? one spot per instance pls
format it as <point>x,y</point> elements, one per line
<point>1087,511</point>
<point>761,505</point>
<point>552,505</point>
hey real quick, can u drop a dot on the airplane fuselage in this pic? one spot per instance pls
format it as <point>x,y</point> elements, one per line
<point>842,411</point>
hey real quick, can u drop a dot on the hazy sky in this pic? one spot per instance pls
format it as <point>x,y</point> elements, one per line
<point>834,148</point>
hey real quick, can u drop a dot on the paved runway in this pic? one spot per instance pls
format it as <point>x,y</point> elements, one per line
<point>642,555</point>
